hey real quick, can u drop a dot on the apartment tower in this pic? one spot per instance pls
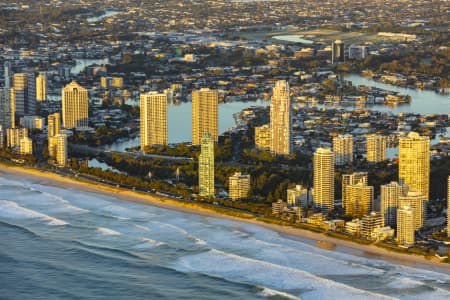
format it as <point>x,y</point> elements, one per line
<point>323,163</point>
<point>414,162</point>
<point>153,119</point>
<point>343,149</point>
<point>41,87</point>
<point>204,114</point>
<point>280,119</point>
<point>405,226</point>
<point>206,167</point>
<point>376,148</point>
<point>75,106</point>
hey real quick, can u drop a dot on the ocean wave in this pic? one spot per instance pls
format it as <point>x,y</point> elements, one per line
<point>11,210</point>
<point>266,292</point>
<point>148,244</point>
<point>243,269</point>
<point>107,231</point>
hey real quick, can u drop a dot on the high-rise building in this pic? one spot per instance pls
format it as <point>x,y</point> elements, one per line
<point>61,149</point>
<point>414,162</point>
<point>12,107</point>
<point>376,148</point>
<point>206,167</point>
<point>2,137</point>
<point>416,200</point>
<point>359,199</point>
<point>52,147</point>
<point>153,119</point>
<point>352,179</point>
<point>14,135</point>
<point>5,108</point>
<point>41,87</point>
<point>53,124</point>
<point>23,94</point>
<point>26,146</point>
<point>7,73</point>
<point>389,194</point>
<point>343,149</point>
<point>297,196</point>
<point>337,52</point>
<point>75,106</point>
<point>263,137</point>
<point>204,114</point>
<point>239,186</point>
<point>405,226</point>
<point>369,222</point>
<point>323,163</point>
<point>280,119</point>
<point>32,122</point>
<point>448,206</point>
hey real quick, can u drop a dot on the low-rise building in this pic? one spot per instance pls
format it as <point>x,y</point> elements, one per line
<point>239,186</point>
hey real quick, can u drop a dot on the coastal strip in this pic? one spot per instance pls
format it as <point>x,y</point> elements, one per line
<point>323,241</point>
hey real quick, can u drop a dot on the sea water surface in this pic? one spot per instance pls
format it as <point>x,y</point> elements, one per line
<point>64,243</point>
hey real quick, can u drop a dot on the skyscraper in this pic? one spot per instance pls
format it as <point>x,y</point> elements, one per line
<point>351,179</point>
<point>61,149</point>
<point>280,119</point>
<point>448,206</point>
<point>153,119</point>
<point>389,194</point>
<point>239,186</point>
<point>343,149</point>
<point>405,226</point>
<point>206,167</point>
<point>41,87</point>
<point>53,124</point>
<point>2,137</point>
<point>416,201</point>
<point>414,162</point>
<point>23,94</point>
<point>323,162</point>
<point>359,199</point>
<point>337,52</point>
<point>7,72</point>
<point>376,148</point>
<point>204,114</point>
<point>5,108</point>
<point>75,106</point>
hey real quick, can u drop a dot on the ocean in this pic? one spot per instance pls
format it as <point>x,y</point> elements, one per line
<point>64,243</point>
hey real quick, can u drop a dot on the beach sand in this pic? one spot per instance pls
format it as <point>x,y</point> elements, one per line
<point>368,251</point>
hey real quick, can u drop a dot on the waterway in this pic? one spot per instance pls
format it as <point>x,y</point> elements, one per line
<point>293,38</point>
<point>422,101</point>
<point>180,122</point>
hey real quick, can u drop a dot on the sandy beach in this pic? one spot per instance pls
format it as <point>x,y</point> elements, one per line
<point>368,251</point>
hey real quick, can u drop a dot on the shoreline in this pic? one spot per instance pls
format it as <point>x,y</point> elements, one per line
<point>348,247</point>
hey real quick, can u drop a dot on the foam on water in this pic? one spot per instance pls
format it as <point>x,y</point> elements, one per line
<point>107,231</point>
<point>148,244</point>
<point>266,292</point>
<point>11,210</point>
<point>243,269</point>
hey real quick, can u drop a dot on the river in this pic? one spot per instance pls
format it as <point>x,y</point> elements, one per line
<point>422,101</point>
